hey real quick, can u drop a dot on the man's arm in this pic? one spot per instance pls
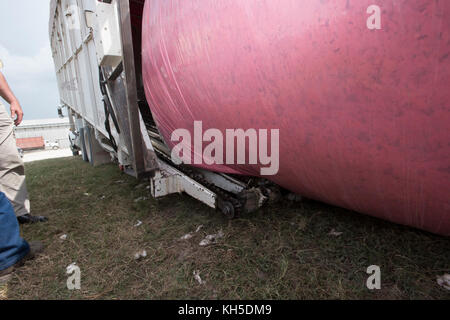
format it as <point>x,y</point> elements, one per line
<point>8,95</point>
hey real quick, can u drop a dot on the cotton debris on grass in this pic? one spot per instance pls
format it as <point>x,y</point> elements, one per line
<point>140,199</point>
<point>444,281</point>
<point>187,236</point>
<point>63,237</point>
<point>138,224</point>
<point>140,255</point>
<point>212,239</point>
<point>198,278</point>
<point>335,233</point>
<point>191,235</point>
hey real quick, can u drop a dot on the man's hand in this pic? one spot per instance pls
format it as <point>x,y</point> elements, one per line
<point>16,112</point>
<point>8,95</point>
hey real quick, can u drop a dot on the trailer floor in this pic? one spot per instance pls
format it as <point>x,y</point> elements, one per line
<point>281,252</point>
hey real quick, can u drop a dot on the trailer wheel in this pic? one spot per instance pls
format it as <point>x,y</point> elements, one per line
<point>227,209</point>
<point>83,146</point>
<point>88,143</point>
<point>85,136</point>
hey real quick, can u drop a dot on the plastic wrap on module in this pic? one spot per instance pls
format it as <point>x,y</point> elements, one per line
<point>359,90</point>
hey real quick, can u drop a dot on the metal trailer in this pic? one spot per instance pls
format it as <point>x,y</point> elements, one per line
<point>96,50</point>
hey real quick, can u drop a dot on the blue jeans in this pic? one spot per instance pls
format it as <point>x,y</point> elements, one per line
<point>12,247</point>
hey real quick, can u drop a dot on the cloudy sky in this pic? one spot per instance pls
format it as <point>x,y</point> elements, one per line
<point>26,55</point>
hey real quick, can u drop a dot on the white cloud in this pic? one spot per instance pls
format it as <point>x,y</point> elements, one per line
<point>28,70</point>
<point>25,52</point>
<point>33,81</point>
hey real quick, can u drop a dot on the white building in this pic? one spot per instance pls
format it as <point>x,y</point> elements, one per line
<point>52,130</point>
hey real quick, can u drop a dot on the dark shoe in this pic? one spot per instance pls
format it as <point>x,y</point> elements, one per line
<point>29,219</point>
<point>36,247</point>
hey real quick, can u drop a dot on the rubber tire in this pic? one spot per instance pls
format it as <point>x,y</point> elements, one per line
<point>88,143</point>
<point>84,149</point>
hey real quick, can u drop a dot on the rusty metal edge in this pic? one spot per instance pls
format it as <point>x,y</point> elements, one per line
<point>144,161</point>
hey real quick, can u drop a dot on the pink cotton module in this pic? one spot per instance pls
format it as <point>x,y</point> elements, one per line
<point>359,91</point>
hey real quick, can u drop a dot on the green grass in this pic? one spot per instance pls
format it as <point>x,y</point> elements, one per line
<point>280,252</point>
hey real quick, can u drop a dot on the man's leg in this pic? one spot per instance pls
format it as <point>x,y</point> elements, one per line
<point>12,181</point>
<point>14,251</point>
<point>12,247</point>
<point>12,176</point>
